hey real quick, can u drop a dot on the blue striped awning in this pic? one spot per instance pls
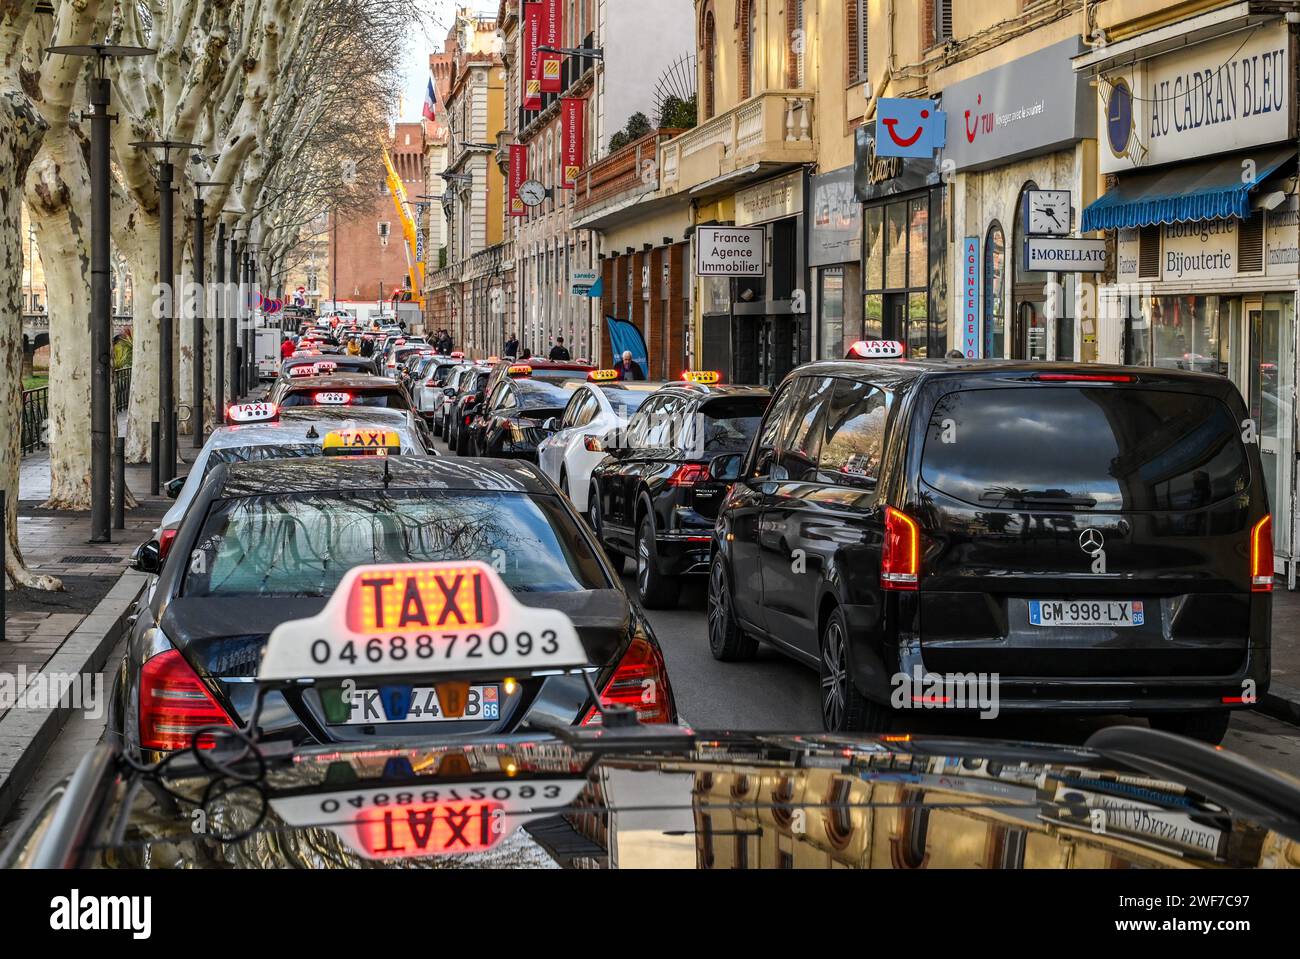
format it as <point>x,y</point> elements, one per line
<point>1206,190</point>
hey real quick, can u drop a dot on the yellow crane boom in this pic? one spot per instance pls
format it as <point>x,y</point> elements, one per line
<point>414,265</point>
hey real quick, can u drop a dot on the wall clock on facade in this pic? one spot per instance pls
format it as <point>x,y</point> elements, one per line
<point>532,192</point>
<point>1047,212</point>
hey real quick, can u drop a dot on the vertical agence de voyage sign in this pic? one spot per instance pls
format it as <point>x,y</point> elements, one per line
<point>729,251</point>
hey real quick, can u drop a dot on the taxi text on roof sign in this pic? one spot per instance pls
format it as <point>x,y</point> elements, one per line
<point>602,376</point>
<point>703,377</point>
<point>361,442</point>
<point>251,413</point>
<point>876,349</point>
<point>302,371</point>
<point>424,619</point>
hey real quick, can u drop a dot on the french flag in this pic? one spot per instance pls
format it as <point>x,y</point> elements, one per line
<point>430,102</point>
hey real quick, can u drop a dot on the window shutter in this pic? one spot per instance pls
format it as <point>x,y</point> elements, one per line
<point>1149,252</point>
<point>945,20</point>
<point>1250,244</point>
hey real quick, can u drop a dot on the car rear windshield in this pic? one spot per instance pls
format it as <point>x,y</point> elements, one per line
<point>730,423</point>
<point>1084,448</point>
<point>301,544</point>
<point>537,394</point>
<point>385,399</point>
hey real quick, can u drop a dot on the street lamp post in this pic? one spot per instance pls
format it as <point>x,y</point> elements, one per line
<point>167,279</point>
<point>236,319</point>
<point>219,329</point>
<point>101,307</point>
<point>200,244</point>
<point>250,334</point>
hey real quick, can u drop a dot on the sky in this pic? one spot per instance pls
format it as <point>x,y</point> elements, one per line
<point>422,41</point>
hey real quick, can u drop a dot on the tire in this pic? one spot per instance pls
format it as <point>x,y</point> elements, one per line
<point>437,425</point>
<point>844,709</point>
<point>564,484</point>
<point>655,590</point>
<point>727,641</point>
<point>1208,727</point>
<point>616,559</point>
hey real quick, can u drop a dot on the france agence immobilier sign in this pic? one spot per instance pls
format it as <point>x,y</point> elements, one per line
<point>729,251</point>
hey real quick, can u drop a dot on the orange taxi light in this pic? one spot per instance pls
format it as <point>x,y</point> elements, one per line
<point>703,377</point>
<point>400,597</point>
<point>521,370</point>
<point>602,376</point>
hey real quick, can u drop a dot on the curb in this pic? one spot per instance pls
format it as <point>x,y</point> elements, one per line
<point>1281,702</point>
<point>27,734</point>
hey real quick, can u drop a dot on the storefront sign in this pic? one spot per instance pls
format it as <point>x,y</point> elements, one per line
<point>771,200</point>
<point>1128,249</point>
<point>909,127</point>
<point>572,131</point>
<point>1213,97</point>
<point>836,223</point>
<point>730,251</point>
<point>1032,105</point>
<point>581,281</point>
<point>1203,250</point>
<point>1281,236</point>
<point>1064,254</point>
<point>875,176</point>
<point>970,297</point>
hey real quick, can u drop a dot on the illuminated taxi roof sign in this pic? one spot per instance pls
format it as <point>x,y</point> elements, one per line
<point>602,376</point>
<point>252,413</point>
<point>876,350</point>
<point>362,442</point>
<point>426,619</point>
<point>443,818</point>
<point>702,377</point>
<point>521,370</point>
<point>307,369</point>
<point>324,367</point>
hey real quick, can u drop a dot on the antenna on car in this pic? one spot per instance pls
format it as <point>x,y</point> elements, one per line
<point>388,476</point>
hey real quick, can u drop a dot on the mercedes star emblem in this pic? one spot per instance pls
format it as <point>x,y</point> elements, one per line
<point>1091,541</point>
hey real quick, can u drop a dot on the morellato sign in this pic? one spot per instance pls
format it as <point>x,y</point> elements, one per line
<point>1064,254</point>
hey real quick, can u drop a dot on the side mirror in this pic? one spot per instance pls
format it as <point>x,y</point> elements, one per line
<point>173,487</point>
<point>147,558</point>
<point>551,424</point>
<point>448,391</point>
<point>725,468</point>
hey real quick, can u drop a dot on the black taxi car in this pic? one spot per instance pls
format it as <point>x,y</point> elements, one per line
<point>1087,538</point>
<point>652,498</point>
<point>510,423</point>
<point>277,541</point>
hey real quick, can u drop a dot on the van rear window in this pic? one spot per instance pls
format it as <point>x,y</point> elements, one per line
<point>1084,448</point>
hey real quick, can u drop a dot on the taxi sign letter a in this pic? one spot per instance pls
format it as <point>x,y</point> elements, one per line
<point>413,606</point>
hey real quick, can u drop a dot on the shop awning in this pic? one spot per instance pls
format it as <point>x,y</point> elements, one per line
<point>1207,190</point>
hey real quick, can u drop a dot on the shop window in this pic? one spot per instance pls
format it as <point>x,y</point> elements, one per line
<point>797,40</point>
<point>995,280</point>
<point>1193,332</point>
<point>904,267</point>
<point>875,225</point>
<point>856,39</point>
<point>830,302</point>
<point>708,60</point>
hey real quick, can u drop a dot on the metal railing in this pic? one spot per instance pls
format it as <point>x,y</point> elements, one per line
<point>36,409</point>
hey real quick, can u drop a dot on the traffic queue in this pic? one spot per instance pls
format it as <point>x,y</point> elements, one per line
<point>871,520</point>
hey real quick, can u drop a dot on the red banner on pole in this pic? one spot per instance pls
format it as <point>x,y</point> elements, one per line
<point>552,31</point>
<point>533,10</point>
<point>573,118</point>
<point>518,174</point>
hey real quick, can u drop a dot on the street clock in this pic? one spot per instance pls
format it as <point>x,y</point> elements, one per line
<point>1047,212</point>
<point>532,192</point>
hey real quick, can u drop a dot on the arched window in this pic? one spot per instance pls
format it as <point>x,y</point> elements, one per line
<point>708,61</point>
<point>797,43</point>
<point>995,292</point>
<point>749,61</point>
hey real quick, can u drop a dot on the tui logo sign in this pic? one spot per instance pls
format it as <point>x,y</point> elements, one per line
<point>909,128</point>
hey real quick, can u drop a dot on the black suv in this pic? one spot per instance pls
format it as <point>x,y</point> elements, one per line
<point>1097,539</point>
<point>651,497</point>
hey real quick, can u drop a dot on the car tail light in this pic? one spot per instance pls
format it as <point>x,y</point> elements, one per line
<point>1261,556</point>
<point>593,444</point>
<point>1083,377</point>
<point>900,560</point>
<point>689,475</point>
<point>639,681</point>
<point>174,703</point>
<point>165,543</point>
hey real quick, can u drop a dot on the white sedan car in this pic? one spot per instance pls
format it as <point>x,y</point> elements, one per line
<point>569,454</point>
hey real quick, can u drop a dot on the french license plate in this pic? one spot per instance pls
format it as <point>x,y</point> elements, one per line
<point>483,703</point>
<point>1084,612</point>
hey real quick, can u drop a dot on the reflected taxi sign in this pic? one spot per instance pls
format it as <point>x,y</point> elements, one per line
<point>428,817</point>
<point>362,442</point>
<point>876,349</point>
<point>251,413</point>
<point>602,376</point>
<point>303,354</point>
<point>703,377</point>
<point>425,619</point>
